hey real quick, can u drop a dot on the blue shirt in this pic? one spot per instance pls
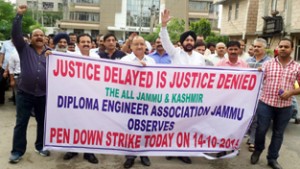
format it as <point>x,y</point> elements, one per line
<point>33,65</point>
<point>254,64</point>
<point>164,59</point>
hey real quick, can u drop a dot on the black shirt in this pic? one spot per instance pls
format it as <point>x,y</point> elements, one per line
<point>117,55</point>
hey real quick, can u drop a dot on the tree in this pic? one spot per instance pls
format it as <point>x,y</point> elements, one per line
<point>201,27</point>
<point>175,29</point>
<point>213,38</point>
<point>7,14</point>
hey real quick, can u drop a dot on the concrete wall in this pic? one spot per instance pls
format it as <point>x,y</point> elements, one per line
<point>234,26</point>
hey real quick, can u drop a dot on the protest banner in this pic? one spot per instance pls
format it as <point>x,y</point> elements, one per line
<point>112,107</point>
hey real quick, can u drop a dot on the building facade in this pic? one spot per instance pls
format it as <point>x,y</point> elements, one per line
<point>247,19</point>
<point>124,16</point>
<point>239,19</point>
<point>46,12</point>
<point>118,16</point>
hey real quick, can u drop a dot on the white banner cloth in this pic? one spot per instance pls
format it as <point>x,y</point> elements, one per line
<point>112,107</point>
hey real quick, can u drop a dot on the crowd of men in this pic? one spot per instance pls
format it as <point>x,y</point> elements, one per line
<point>23,62</point>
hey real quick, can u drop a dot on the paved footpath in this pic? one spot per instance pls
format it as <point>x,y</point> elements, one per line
<point>289,159</point>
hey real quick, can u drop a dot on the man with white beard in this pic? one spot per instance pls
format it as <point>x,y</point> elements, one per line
<point>61,41</point>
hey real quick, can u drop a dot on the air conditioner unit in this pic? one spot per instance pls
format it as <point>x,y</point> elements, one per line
<point>272,25</point>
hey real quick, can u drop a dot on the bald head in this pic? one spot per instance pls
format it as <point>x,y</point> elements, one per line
<point>37,31</point>
<point>37,38</point>
<point>138,46</point>
<point>221,49</point>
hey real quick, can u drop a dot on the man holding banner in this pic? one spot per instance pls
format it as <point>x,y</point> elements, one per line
<point>138,48</point>
<point>275,102</point>
<point>233,60</point>
<point>185,56</point>
<point>84,44</point>
<point>32,87</point>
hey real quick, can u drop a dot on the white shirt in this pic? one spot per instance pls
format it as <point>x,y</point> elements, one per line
<point>214,58</point>
<point>244,56</point>
<point>8,48</point>
<point>132,58</point>
<point>14,63</point>
<point>91,54</point>
<point>178,55</point>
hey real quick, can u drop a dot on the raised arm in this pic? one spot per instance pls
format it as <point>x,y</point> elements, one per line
<point>17,34</point>
<point>164,35</point>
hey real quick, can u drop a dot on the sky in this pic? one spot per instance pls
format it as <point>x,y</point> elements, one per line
<point>13,1</point>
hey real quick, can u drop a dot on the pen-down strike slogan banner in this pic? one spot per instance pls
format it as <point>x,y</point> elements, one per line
<point>108,107</point>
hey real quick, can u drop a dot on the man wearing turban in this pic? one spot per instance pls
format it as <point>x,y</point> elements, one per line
<point>184,56</point>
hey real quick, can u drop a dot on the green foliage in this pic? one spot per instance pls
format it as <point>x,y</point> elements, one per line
<point>51,17</point>
<point>201,27</point>
<point>36,26</point>
<point>28,24</point>
<point>175,29</point>
<point>150,37</point>
<point>7,14</point>
<point>213,38</point>
<point>270,52</point>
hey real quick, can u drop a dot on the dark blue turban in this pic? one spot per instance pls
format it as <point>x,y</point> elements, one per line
<point>60,36</point>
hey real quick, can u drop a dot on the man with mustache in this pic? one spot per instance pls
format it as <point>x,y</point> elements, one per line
<point>32,87</point>
<point>256,61</point>
<point>138,47</point>
<point>61,41</point>
<point>160,55</point>
<point>233,60</point>
<point>111,51</point>
<point>251,50</point>
<point>275,102</point>
<point>242,54</point>
<point>84,43</point>
<point>220,53</point>
<point>185,56</point>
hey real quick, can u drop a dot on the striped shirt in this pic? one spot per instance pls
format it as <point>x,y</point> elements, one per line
<point>277,77</point>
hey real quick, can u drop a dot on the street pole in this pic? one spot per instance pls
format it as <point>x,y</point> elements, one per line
<point>141,17</point>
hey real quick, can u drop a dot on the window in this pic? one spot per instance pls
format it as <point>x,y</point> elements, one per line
<point>140,12</point>
<point>78,31</point>
<point>48,5</point>
<point>85,16</point>
<point>60,6</point>
<point>229,10</point>
<point>237,6</point>
<point>212,8</point>
<point>32,4</point>
<point>86,1</point>
<point>197,6</point>
<point>94,33</point>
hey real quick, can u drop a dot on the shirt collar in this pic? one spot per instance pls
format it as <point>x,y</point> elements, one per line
<point>156,53</point>
<point>135,58</point>
<point>290,62</point>
<point>230,63</point>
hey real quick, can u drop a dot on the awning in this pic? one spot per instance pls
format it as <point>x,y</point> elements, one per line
<point>216,2</point>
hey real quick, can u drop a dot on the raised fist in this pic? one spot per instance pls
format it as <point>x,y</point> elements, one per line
<point>21,9</point>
